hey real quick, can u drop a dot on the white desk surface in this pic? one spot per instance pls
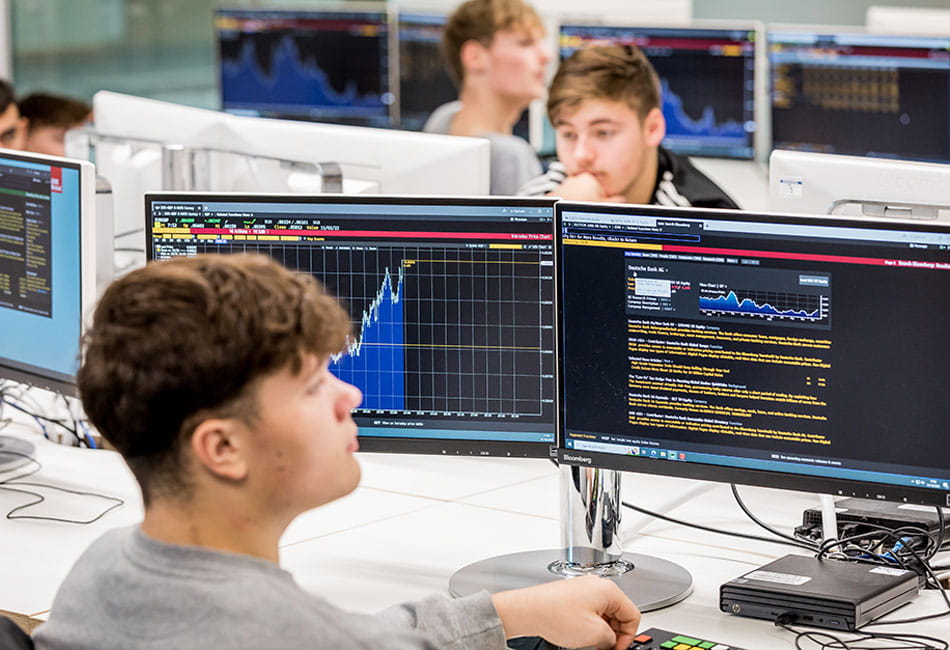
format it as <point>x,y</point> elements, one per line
<point>415,520</point>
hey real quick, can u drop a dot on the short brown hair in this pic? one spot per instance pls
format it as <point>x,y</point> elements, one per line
<point>181,340</point>
<point>480,20</point>
<point>42,109</point>
<point>611,72</point>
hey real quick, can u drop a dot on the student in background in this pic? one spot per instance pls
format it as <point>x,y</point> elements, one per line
<point>232,431</point>
<point>604,104</point>
<point>12,125</point>
<point>48,118</point>
<point>497,55</point>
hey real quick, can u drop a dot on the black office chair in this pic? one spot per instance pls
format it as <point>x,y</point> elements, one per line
<point>12,637</point>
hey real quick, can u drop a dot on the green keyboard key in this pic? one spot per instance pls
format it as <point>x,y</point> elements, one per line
<point>686,640</point>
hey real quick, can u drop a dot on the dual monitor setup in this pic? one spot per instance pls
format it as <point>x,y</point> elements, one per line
<point>764,349</point>
<point>730,90</point>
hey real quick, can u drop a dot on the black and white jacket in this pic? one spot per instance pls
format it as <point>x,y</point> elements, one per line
<point>678,183</point>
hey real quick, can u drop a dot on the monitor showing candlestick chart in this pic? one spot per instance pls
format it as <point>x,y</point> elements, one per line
<point>707,78</point>
<point>329,66</point>
<point>451,302</point>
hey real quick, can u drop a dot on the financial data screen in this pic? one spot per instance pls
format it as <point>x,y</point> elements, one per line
<point>424,81</point>
<point>451,305</point>
<point>323,66</point>
<point>40,252</point>
<point>861,94</point>
<point>707,79</point>
<point>795,346</point>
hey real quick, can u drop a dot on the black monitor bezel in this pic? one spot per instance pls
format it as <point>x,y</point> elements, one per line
<point>382,444</point>
<point>37,376</point>
<point>717,473</point>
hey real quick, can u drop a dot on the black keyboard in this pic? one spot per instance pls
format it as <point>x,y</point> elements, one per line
<point>657,639</point>
<point>651,639</point>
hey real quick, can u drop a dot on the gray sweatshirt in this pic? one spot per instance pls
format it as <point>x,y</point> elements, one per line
<point>129,591</point>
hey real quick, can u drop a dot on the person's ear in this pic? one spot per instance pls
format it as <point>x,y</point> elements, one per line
<point>219,446</point>
<point>474,57</point>
<point>654,128</point>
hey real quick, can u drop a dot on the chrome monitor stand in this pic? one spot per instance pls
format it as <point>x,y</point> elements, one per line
<point>591,545</point>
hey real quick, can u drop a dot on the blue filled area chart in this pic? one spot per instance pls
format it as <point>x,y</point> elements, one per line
<point>374,356</point>
<point>442,330</point>
<point>331,73</point>
<point>766,304</point>
<point>679,124</point>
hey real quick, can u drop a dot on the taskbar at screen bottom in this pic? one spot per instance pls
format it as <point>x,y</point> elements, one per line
<point>456,447</point>
<point>903,493</point>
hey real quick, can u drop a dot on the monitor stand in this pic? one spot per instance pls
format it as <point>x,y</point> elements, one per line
<point>14,452</point>
<point>591,545</point>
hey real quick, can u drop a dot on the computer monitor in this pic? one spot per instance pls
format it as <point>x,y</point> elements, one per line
<point>247,153</point>
<point>451,301</point>
<point>854,186</point>
<point>329,66</point>
<point>793,352</point>
<point>424,81</point>
<point>49,246</point>
<point>385,160</point>
<point>707,77</point>
<point>857,93</point>
<point>767,349</point>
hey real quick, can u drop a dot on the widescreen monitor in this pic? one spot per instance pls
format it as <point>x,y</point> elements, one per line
<point>857,186</point>
<point>246,153</point>
<point>49,248</point>
<point>424,81</point>
<point>784,351</point>
<point>856,93</point>
<point>707,78</point>
<point>451,302</point>
<point>329,66</point>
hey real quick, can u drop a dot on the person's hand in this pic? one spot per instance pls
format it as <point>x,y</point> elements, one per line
<point>584,187</point>
<point>573,613</point>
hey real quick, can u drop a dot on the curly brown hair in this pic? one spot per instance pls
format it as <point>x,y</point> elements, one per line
<point>480,20</point>
<point>620,73</point>
<point>179,341</point>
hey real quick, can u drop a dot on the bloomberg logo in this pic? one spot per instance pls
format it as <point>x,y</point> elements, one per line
<point>576,459</point>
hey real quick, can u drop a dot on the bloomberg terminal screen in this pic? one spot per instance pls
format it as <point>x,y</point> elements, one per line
<point>792,346</point>
<point>451,304</point>
<point>861,94</point>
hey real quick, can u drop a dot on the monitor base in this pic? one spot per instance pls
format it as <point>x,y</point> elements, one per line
<point>15,452</point>
<point>652,584</point>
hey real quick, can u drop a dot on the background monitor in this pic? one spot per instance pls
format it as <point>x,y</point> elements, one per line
<point>800,352</point>
<point>424,81</point>
<point>49,247</point>
<point>389,161</point>
<point>851,92</point>
<point>249,153</point>
<point>330,66</point>
<point>707,77</point>
<point>855,186</point>
<point>451,300</point>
